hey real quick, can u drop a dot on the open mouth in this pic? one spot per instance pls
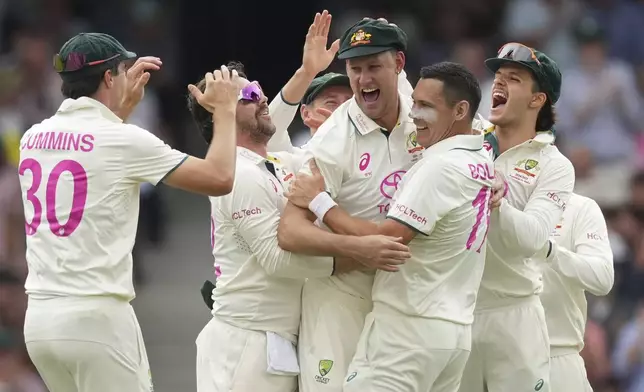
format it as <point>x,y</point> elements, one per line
<point>499,99</point>
<point>370,94</point>
<point>263,112</point>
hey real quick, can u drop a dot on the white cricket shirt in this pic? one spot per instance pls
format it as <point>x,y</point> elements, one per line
<point>444,198</point>
<point>258,284</point>
<point>540,181</point>
<point>80,172</point>
<point>582,261</point>
<point>362,166</point>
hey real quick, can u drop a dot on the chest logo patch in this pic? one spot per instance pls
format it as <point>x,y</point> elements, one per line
<point>389,184</point>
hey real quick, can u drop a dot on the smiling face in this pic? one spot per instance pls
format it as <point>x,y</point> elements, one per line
<point>431,113</point>
<point>374,81</point>
<point>514,92</point>
<point>252,115</point>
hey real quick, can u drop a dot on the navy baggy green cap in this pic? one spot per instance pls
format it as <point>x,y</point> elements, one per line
<point>322,82</point>
<point>90,52</point>
<point>370,36</point>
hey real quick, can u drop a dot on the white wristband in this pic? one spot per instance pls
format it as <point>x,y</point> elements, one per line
<point>321,204</point>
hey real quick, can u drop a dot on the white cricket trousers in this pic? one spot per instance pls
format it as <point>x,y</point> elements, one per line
<point>399,353</point>
<point>332,322</point>
<point>87,344</point>
<point>232,359</point>
<point>510,349</point>
<point>568,371</point>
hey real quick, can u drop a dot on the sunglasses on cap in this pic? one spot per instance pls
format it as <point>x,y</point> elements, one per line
<point>252,92</point>
<point>517,52</point>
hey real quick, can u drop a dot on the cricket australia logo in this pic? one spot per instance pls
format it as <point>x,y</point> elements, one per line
<point>324,367</point>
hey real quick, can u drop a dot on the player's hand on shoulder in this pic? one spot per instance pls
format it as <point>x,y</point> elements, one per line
<point>221,92</point>
<point>381,252</point>
<point>304,188</point>
<point>138,76</point>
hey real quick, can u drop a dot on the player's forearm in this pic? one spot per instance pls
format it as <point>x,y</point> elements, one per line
<point>594,272</point>
<point>222,152</point>
<point>298,234</point>
<point>341,222</point>
<point>294,90</point>
<point>344,265</point>
<point>525,232</point>
<point>281,263</point>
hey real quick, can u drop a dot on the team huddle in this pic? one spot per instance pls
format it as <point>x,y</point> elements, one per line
<point>410,245</point>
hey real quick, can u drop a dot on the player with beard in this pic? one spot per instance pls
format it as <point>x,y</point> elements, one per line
<point>510,346</point>
<point>362,151</point>
<point>249,344</point>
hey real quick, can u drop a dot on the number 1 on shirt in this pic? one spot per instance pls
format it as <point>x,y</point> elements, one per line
<point>481,202</point>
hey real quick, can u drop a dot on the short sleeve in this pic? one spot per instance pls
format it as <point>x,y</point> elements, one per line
<point>330,148</point>
<point>427,196</point>
<point>146,158</point>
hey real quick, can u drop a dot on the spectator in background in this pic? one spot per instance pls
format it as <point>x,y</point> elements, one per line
<point>628,356</point>
<point>40,94</point>
<point>12,220</point>
<point>472,54</point>
<point>16,371</point>
<point>599,116</point>
<point>595,355</point>
<point>543,24</point>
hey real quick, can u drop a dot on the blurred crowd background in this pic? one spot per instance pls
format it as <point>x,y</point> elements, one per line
<point>599,45</point>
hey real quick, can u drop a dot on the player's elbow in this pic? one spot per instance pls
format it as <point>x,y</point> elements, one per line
<point>220,184</point>
<point>606,280</point>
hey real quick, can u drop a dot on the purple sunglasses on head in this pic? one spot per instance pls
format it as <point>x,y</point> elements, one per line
<point>251,92</point>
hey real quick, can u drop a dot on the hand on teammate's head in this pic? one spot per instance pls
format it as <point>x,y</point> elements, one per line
<point>221,90</point>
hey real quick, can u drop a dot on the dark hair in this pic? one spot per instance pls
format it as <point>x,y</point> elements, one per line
<point>86,85</point>
<point>547,116</point>
<point>202,117</point>
<point>459,84</point>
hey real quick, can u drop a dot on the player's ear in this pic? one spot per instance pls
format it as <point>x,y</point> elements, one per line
<point>461,109</point>
<point>400,62</point>
<point>304,112</point>
<point>538,100</point>
<point>108,78</point>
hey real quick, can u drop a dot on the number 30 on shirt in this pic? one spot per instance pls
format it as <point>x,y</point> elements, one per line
<point>79,196</point>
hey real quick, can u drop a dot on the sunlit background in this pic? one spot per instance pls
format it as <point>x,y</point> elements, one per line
<point>598,44</point>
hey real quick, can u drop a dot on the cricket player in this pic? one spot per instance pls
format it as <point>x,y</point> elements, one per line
<point>510,346</point>
<point>582,260</point>
<point>249,344</point>
<point>80,173</point>
<point>362,151</point>
<point>418,336</point>
<point>317,97</point>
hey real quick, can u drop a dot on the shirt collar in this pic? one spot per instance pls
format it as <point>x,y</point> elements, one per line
<point>365,125</point>
<point>255,158</point>
<point>71,105</point>
<point>457,142</point>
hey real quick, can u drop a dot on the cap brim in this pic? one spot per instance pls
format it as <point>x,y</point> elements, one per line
<point>129,55</point>
<point>338,80</point>
<point>360,51</point>
<point>495,63</point>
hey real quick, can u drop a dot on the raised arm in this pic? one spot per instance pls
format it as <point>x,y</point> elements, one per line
<point>213,175</point>
<point>315,59</point>
<point>529,230</point>
<point>590,263</point>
